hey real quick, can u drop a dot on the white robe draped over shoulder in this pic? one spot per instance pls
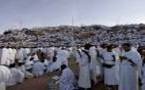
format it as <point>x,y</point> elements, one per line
<point>128,73</point>
<point>67,80</point>
<point>94,65</point>
<point>4,76</point>
<point>110,74</point>
<point>84,74</point>
<point>5,57</point>
<point>16,77</point>
<point>143,78</point>
<point>38,68</point>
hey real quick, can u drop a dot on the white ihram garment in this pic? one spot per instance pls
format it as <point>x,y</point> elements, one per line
<point>128,73</point>
<point>110,75</point>
<point>84,74</point>
<point>4,76</point>
<point>67,80</point>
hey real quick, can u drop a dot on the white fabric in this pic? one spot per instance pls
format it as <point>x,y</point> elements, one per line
<point>143,77</point>
<point>36,57</point>
<point>38,68</point>
<point>77,55</point>
<point>67,80</point>
<point>0,54</point>
<point>143,87</point>
<point>61,58</point>
<point>20,55</point>
<point>101,51</point>
<point>4,76</point>
<point>28,63</point>
<point>49,66</point>
<point>12,54</point>
<point>129,74</point>
<point>2,86</point>
<point>84,74</point>
<point>16,77</point>
<point>5,57</point>
<point>27,51</point>
<point>117,53</point>
<point>22,69</point>
<point>110,75</point>
<point>94,65</point>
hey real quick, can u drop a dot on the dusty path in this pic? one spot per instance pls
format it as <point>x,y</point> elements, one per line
<point>41,84</point>
<point>32,84</point>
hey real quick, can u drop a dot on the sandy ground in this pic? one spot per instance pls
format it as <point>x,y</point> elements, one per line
<point>41,84</point>
<point>32,84</point>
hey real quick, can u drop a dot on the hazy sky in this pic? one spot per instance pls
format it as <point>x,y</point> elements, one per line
<point>32,13</point>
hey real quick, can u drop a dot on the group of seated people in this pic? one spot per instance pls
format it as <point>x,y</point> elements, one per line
<point>35,65</point>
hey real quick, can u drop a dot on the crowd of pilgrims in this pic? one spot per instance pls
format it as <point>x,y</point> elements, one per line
<point>119,67</point>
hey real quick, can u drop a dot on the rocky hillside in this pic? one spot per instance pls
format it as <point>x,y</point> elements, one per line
<point>73,35</point>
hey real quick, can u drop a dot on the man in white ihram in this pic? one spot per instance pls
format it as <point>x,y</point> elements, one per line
<point>110,74</point>
<point>4,76</point>
<point>84,81</point>
<point>67,78</point>
<point>94,65</point>
<point>38,68</point>
<point>16,76</point>
<point>129,67</point>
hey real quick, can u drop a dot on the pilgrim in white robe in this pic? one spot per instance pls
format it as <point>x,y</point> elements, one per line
<point>117,52</point>
<point>84,71</point>
<point>110,75</point>
<point>19,55</point>
<point>62,58</point>
<point>94,65</point>
<point>0,54</point>
<point>4,76</point>
<point>28,51</point>
<point>49,66</point>
<point>38,68</point>
<point>67,80</point>
<point>29,62</point>
<point>5,57</point>
<point>100,53</point>
<point>53,64</point>
<point>12,54</point>
<point>77,55</point>
<point>25,54</point>
<point>22,69</point>
<point>143,77</point>
<point>28,67</point>
<point>46,62</point>
<point>50,53</point>
<point>128,72</point>
<point>16,77</point>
